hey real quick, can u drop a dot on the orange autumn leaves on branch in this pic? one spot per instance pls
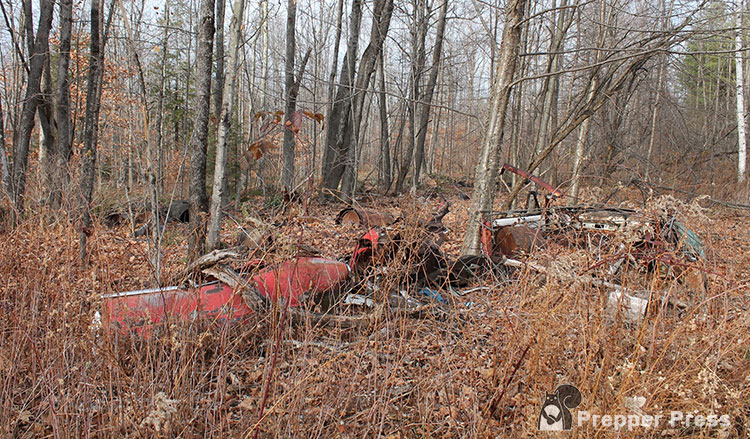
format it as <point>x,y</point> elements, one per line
<point>273,125</point>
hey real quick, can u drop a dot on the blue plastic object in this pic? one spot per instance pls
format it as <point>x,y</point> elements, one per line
<point>432,294</point>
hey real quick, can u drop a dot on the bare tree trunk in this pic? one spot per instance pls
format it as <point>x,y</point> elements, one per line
<point>426,98</point>
<point>30,103</point>
<point>225,125</point>
<point>346,116</point>
<point>218,88</point>
<point>487,166</point>
<point>381,20</point>
<point>4,168</point>
<point>64,148</point>
<point>579,152</point>
<point>91,126</point>
<point>287,170</point>
<point>160,103</point>
<point>654,117</point>
<point>551,81</point>
<point>47,143</point>
<point>385,144</point>
<point>333,160</point>
<point>334,67</point>
<point>659,84</point>
<point>264,55</point>
<point>580,148</point>
<point>741,125</point>
<point>198,198</point>
<point>418,36</point>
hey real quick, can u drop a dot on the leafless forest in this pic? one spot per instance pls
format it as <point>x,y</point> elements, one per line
<point>374,218</point>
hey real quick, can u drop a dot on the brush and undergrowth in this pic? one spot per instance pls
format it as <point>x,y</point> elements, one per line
<point>479,368</point>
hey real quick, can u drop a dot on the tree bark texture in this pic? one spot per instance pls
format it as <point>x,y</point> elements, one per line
<point>218,88</point>
<point>287,170</point>
<point>425,100</point>
<point>386,179</point>
<point>347,110</point>
<point>740,92</point>
<point>381,20</point>
<point>225,125</point>
<point>64,139</point>
<point>198,197</point>
<point>91,126</point>
<point>486,172</point>
<point>31,101</point>
<point>333,161</point>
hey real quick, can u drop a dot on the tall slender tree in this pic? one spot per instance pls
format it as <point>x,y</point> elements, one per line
<point>225,124</point>
<point>91,125</point>
<point>287,169</point>
<point>343,124</point>
<point>740,95</point>
<point>425,100</point>
<point>37,56</point>
<point>220,77</point>
<point>198,198</point>
<point>487,166</point>
<point>64,148</point>
<point>338,117</point>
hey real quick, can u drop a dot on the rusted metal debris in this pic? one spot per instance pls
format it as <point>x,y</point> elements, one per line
<point>142,310</point>
<point>296,281</point>
<point>419,251</point>
<point>535,179</point>
<point>509,240</point>
<point>308,281</point>
<point>366,217</point>
<point>504,229</point>
<point>411,255</point>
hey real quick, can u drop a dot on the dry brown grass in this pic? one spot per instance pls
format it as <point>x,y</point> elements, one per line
<point>482,372</point>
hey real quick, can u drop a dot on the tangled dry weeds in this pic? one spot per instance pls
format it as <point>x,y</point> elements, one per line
<point>484,374</point>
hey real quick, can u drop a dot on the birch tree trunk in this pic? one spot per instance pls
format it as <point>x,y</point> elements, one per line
<point>198,198</point>
<point>487,166</point>
<point>580,149</point>
<point>225,124</point>
<point>47,142</point>
<point>741,127</point>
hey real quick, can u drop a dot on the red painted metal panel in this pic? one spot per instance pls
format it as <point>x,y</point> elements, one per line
<point>297,277</point>
<point>141,310</point>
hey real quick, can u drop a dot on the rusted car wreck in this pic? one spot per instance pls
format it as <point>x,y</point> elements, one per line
<point>318,285</point>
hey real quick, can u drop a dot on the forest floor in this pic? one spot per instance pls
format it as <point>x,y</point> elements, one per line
<point>483,371</point>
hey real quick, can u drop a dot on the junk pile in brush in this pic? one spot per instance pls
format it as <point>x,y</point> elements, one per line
<point>397,266</point>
